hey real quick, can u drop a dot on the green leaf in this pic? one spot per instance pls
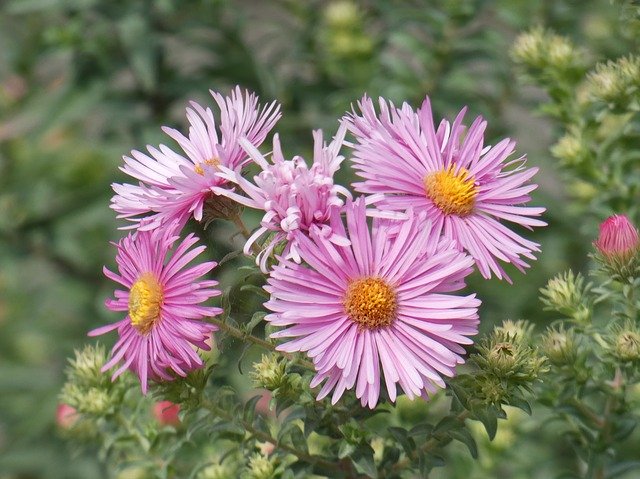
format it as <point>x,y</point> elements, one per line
<point>621,468</point>
<point>346,449</point>
<point>489,419</point>
<point>257,317</point>
<point>464,436</point>
<point>401,436</point>
<point>255,289</point>
<point>521,404</point>
<point>364,463</point>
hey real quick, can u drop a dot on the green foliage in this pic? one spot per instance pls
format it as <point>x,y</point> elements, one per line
<point>82,82</point>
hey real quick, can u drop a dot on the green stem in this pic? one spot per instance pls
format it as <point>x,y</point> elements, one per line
<point>244,231</point>
<point>432,443</point>
<point>244,336</point>
<point>343,466</point>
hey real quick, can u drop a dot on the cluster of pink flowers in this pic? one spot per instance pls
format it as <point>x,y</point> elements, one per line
<point>369,287</point>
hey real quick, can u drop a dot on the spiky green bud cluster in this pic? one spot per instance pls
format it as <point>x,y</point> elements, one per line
<point>616,82</point>
<point>559,345</point>
<point>540,49</point>
<point>566,294</point>
<point>270,372</point>
<point>505,356</point>
<point>260,467</point>
<point>87,389</point>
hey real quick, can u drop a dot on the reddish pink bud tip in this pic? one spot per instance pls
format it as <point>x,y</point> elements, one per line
<point>66,416</point>
<point>618,238</point>
<point>166,413</point>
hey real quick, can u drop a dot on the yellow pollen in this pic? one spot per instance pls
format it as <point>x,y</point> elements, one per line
<point>215,161</point>
<point>145,301</point>
<point>454,192</point>
<point>371,303</point>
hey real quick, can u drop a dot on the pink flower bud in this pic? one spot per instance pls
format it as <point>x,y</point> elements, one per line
<point>166,413</point>
<point>66,416</point>
<point>618,238</point>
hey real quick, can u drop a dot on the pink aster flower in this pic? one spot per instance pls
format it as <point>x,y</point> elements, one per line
<point>295,197</point>
<point>466,189</point>
<point>376,309</point>
<point>173,186</point>
<point>618,238</point>
<point>162,304</point>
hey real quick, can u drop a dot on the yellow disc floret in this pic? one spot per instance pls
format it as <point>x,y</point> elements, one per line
<point>452,191</point>
<point>371,303</point>
<point>210,162</point>
<point>145,301</point>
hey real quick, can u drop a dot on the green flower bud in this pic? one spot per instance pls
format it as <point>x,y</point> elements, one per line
<point>95,401</point>
<point>626,345</point>
<point>519,331</point>
<point>261,467</point>
<point>492,390</point>
<point>502,358</point>
<point>530,48</point>
<point>571,150</point>
<point>566,294</point>
<point>223,470</point>
<point>559,346</point>
<point>615,81</point>
<point>270,372</point>
<point>560,51</point>
<point>85,367</point>
<point>342,15</point>
<point>507,358</point>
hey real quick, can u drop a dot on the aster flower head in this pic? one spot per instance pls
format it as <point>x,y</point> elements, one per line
<point>618,239</point>
<point>297,199</point>
<point>465,188</point>
<point>162,300</point>
<point>174,186</point>
<point>377,309</point>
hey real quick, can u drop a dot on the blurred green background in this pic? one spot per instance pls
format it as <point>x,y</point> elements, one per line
<point>83,82</point>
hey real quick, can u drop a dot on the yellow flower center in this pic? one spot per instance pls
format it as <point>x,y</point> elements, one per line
<point>454,192</point>
<point>145,301</point>
<point>215,161</point>
<point>371,303</point>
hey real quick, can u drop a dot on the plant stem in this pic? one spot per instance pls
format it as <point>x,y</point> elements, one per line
<point>343,466</point>
<point>431,443</point>
<point>244,336</point>
<point>242,228</point>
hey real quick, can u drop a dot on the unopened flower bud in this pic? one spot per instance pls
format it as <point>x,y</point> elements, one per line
<point>560,51</point>
<point>518,331</point>
<point>571,149</point>
<point>559,346</point>
<point>566,294</point>
<point>618,240</point>
<point>529,48</point>
<point>492,390</point>
<point>66,416</point>
<point>95,401</point>
<point>502,358</point>
<point>627,346</point>
<point>615,81</point>
<point>218,471</point>
<point>342,14</point>
<point>261,467</point>
<point>166,413</point>
<point>85,367</point>
<point>270,372</point>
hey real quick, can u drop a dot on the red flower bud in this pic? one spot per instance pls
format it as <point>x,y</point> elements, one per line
<point>166,413</point>
<point>66,416</point>
<point>618,238</point>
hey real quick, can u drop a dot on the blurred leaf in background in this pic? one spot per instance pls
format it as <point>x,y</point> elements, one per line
<point>83,82</point>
